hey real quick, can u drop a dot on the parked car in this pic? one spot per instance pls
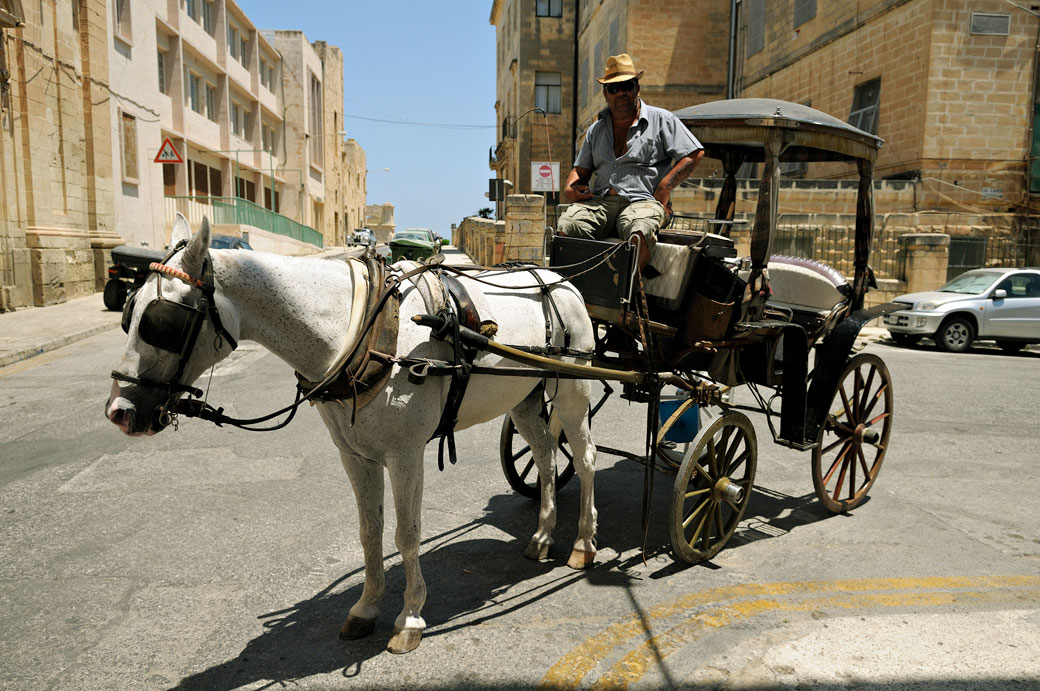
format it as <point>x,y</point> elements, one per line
<point>130,267</point>
<point>364,236</point>
<point>228,242</point>
<point>414,243</point>
<point>1001,305</point>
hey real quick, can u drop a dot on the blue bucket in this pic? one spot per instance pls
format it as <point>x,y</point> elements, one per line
<point>686,427</point>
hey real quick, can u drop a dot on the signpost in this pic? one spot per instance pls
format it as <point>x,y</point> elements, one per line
<point>545,176</point>
<point>167,153</point>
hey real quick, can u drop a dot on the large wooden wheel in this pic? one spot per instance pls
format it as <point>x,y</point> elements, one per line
<point>854,435</point>
<point>713,487</point>
<point>518,461</point>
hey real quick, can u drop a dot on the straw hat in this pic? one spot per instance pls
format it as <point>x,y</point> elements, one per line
<point>619,69</point>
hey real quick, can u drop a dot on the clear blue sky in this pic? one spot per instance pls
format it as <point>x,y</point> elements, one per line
<point>417,61</point>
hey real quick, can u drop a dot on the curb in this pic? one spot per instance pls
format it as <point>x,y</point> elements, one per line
<point>54,344</point>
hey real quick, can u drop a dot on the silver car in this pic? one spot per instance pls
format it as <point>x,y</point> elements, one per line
<point>983,304</point>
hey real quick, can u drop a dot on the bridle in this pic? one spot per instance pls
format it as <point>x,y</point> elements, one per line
<point>175,327</point>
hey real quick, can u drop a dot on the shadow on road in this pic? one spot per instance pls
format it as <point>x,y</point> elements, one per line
<point>472,580</point>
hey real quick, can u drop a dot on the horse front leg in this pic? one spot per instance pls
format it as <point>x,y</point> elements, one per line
<point>406,482</point>
<point>571,405</point>
<point>366,479</point>
<point>528,421</point>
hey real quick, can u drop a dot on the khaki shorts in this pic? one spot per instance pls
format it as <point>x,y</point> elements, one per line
<point>612,216</point>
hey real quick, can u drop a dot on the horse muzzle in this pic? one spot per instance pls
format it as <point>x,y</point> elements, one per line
<point>126,415</point>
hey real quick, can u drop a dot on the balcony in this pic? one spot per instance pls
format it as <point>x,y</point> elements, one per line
<point>238,211</point>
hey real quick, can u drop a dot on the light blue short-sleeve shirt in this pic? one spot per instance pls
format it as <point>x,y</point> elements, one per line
<point>655,142</point>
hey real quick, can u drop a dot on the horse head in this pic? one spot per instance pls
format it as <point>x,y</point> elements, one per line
<point>177,327</point>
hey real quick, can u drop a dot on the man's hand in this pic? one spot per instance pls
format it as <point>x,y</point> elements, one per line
<point>577,192</point>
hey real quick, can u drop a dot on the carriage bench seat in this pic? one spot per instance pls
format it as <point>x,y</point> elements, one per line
<point>811,290</point>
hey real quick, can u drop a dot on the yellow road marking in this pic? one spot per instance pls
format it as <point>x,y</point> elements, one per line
<point>568,672</point>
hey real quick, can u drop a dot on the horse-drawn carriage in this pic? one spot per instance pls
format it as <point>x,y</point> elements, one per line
<point>712,321</point>
<point>359,337</point>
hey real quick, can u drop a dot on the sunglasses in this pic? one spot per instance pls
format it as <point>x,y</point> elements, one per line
<point>621,86</point>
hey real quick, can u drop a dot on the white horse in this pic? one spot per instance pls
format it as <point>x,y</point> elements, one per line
<point>300,309</point>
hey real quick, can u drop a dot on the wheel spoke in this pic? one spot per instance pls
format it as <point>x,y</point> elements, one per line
<point>857,387</point>
<point>740,460</point>
<point>728,456</point>
<point>718,518</point>
<point>845,405</point>
<point>864,399</point>
<point>877,419</point>
<point>696,492</point>
<point>863,464</point>
<point>516,456</point>
<point>827,477</point>
<point>841,480</point>
<point>837,441</point>
<point>697,510</point>
<point>876,397</point>
<point>713,461</point>
<point>527,469</point>
<point>706,535</point>
<point>852,470</point>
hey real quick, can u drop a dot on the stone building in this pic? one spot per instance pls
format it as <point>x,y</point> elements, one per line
<point>56,138</point>
<point>948,84</point>
<point>379,218</point>
<point>355,185</point>
<point>535,59</point>
<point>91,91</point>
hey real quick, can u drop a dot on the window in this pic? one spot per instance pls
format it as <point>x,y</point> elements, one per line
<point>162,72</point>
<point>169,179</point>
<point>804,10</point>
<point>192,8</point>
<point>207,17</point>
<point>547,91</point>
<point>195,92</point>
<point>548,8</point>
<point>243,51</point>
<point>245,189</point>
<point>263,72</point>
<point>215,187</point>
<point>317,128</point>
<point>121,19</point>
<point>199,179</point>
<point>866,101</point>
<point>238,125</point>
<point>269,143</point>
<point>270,78</point>
<point>211,102</point>
<point>756,26</point>
<point>129,146</point>
<point>232,40</point>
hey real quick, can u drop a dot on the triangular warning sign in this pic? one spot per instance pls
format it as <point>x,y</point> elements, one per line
<point>167,153</point>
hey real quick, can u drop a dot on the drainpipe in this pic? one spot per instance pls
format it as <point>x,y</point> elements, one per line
<point>574,79</point>
<point>730,77</point>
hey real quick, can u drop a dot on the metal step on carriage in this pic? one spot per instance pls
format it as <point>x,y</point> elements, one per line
<point>713,321</point>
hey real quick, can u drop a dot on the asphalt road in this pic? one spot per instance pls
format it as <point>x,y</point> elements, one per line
<point>210,558</point>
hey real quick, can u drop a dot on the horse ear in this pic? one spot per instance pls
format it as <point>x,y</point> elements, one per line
<point>181,230</point>
<point>197,248</point>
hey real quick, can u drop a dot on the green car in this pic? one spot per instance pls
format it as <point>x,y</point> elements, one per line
<point>414,243</point>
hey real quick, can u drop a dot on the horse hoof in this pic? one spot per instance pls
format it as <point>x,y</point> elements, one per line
<point>356,627</point>
<point>538,551</point>
<point>404,641</point>
<point>581,560</point>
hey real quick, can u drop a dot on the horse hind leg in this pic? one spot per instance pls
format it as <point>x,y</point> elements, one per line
<point>570,410</point>
<point>366,479</point>
<point>528,421</point>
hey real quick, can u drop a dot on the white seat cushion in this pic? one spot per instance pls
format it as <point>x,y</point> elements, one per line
<point>804,285</point>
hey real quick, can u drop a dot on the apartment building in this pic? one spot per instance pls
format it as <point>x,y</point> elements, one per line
<point>248,124</point>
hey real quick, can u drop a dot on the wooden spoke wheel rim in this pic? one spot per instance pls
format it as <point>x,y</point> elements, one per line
<point>713,487</point>
<point>854,435</point>
<point>518,461</point>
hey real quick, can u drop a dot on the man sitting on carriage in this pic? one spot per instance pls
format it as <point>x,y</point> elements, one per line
<point>631,159</point>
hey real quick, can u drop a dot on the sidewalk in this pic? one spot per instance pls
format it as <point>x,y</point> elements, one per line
<point>32,331</point>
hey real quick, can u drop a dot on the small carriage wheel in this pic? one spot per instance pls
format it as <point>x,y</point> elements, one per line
<point>518,464</point>
<point>854,435</point>
<point>713,487</point>
<point>115,294</point>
